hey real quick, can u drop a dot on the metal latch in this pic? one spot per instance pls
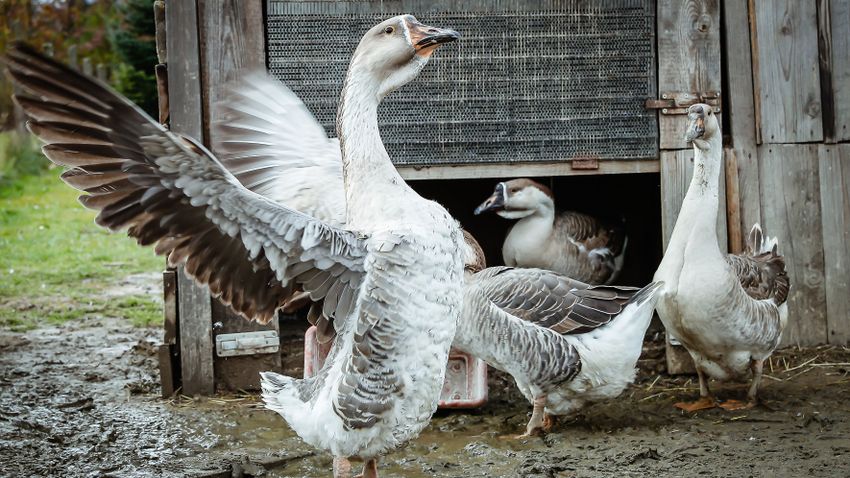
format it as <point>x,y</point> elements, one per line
<point>247,343</point>
<point>677,102</point>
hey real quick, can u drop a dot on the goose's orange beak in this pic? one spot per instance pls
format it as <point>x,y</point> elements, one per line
<point>426,39</point>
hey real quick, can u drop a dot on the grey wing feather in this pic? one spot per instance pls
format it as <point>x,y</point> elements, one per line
<point>552,300</point>
<point>760,269</point>
<point>171,192</point>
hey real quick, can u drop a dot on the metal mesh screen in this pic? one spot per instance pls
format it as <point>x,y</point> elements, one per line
<point>528,81</point>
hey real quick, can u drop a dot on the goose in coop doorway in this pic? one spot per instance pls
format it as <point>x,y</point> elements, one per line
<point>580,246</point>
<point>391,277</point>
<point>729,310</point>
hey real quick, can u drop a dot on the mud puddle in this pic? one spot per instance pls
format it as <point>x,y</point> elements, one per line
<point>82,400</point>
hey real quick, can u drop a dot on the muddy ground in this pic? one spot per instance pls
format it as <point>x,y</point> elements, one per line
<point>83,400</point>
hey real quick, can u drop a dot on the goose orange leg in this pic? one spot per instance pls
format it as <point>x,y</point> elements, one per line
<point>757,367</point>
<point>536,423</point>
<point>370,469</point>
<point>706,399</point>
<point>342,467</point>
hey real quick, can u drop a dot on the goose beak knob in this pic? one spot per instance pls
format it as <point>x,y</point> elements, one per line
<point>426,39</point>
<point>496,202</point>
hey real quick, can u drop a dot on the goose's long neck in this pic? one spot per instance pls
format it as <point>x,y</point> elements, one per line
<point>698,216</point>
<point>367,169</point>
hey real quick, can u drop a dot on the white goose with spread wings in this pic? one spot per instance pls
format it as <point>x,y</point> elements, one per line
<point>565,343</point>
<point>729,311</point>
<point>391,278</point>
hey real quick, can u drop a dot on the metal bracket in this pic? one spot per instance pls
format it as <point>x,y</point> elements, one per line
<point>677,102</point>
<point>247,343</point>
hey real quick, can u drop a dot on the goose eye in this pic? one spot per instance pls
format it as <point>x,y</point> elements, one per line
<point>389,30</point>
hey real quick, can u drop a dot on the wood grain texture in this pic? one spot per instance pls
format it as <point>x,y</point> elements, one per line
<point>825,70</point>
<point>740,111</point>
<point>733,202</point>
<point>677,167</point>
<point>840,33</point>
<point>834,169</point>
<point>184,88</point>
<point>688,57</point>
<point>792,213</point>
<point>196,346</point>
<point>241,372</point>
<point>788,77</point>
<point>233,41</point>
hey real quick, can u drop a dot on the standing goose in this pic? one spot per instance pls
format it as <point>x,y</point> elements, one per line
<point>565,343</point>
<point>727,310</point>
<point>571,243</point>
<point>391,277</point>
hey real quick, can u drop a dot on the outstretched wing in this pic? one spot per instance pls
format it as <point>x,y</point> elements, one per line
<point>169,191</point>
<point>552,300</point>
<point>271,142</point>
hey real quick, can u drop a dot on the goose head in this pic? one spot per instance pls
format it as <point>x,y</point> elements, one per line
<point>518,198</point>
<point>394,51</point>
<point>703,127</point>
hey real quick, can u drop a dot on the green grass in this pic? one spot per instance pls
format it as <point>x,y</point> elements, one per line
<point>55,262</point>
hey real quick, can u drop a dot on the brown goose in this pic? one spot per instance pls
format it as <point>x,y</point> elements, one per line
<point>577,245</point>
<point>729,311</point>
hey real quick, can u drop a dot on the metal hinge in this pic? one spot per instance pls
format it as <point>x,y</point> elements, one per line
<point>677,102</point>
<point>247,343</point>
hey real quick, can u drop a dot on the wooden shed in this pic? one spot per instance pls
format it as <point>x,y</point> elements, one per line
<point>587,95</point>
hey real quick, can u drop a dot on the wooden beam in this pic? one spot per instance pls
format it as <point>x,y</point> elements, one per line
<point>196,340</point>
<point>688,57</point>
<point>677,167</point>
<point>834,169</point>
<point>825,70</point>
<point>741,119</point>
<point>839,16</point>
<point>184,88</point>
<point>233,41</point>
<point>561,168</point>
<point>792,213</point>
<point>789,82</point>
<point>733,202</point>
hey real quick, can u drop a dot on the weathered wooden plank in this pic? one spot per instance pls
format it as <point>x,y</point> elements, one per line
<point>788,71</point>
<point>840,30</point>
<point>791,211</point>
<point>733,201</point>
<point>562,168</point>
<point>232,42</point>
<point>184,70</point>
<point>825,70</point>
<point>834,164</point>
<point>740,112</point>
<point>196,342</point>
<point>168,354</point>
<point>688,57</point>
<point>677,167</point>
<point>241,372</point>
<point>184,88</point>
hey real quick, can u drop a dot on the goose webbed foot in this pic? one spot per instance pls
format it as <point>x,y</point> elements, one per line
<point>704,403</point>
<point>732,405</point>
<point>537,424</point>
